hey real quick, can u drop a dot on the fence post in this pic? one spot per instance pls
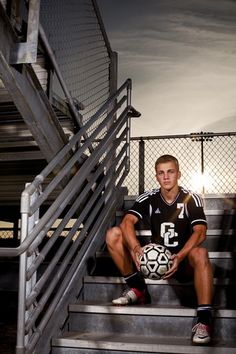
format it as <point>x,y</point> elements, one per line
<point>141,165</point>
<point>202,163</point>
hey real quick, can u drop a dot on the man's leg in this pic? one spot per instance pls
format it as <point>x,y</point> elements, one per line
<point>203,276</point>
<point>118,251</point>
<point>137,292</point>
<point>203,282</point>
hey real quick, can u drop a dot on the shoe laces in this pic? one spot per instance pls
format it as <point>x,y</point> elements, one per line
<point>132,293</point>
<point>201,329</point>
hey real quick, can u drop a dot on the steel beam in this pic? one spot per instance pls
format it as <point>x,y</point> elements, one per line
<point>34,106</point>
<point>26,52</point>
<point>28,95</point>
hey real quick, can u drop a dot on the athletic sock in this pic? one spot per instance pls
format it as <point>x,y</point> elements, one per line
<point>204,314</point>
<point>135,280</point>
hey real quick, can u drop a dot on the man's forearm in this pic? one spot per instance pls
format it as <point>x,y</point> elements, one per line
<point>195,240</point>
<point>130,236</point>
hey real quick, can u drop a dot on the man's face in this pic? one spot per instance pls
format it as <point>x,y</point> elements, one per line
<point>167,175</point>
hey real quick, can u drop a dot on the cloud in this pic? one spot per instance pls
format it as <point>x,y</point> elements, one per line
<point>181,57</point>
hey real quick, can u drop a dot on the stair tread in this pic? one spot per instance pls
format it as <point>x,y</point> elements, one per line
<point>139,343</point>
<point>151,310</point>
<point>120,280</point>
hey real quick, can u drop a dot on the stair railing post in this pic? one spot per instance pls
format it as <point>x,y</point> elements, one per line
<point>27,224</point>
<point>141,165</point>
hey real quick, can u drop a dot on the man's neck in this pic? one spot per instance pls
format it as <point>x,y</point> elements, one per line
<point>171,194</point>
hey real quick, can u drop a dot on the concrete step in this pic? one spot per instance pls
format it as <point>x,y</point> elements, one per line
<point>105,343</point>
<point>148,320</point>
<point>211,201</point>
<point>223,264</point>
<point>163,292</point>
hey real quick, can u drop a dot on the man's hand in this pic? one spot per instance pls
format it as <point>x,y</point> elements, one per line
<point>174,267</point>
<point>137,253</point>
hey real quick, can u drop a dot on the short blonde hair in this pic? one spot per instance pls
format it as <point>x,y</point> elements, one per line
<point>167,158</point>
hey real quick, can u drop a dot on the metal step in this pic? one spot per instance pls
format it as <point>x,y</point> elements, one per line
<point>148,320</point>
<point>105,343</point>
<point>162,292</point>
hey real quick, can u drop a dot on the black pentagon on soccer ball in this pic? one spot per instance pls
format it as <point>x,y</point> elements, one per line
<point>155,261</point>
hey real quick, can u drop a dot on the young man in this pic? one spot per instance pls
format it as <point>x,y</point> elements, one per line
<point>177,221</point>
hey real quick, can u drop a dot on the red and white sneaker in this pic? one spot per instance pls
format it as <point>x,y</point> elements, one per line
<point>201,334</point>
<point>133,296</point>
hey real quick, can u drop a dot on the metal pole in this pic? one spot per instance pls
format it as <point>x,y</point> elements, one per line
<point>202,164</point>
<point>20,345</point>
<point>27,224</point>
<point>141,165</point>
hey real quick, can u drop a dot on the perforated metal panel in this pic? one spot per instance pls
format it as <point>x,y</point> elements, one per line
<point>74,33</point>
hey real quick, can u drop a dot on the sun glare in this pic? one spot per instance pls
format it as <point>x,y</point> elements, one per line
<point>201,182</point>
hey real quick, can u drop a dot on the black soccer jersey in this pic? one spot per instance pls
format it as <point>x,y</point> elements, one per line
<point>171,223</point>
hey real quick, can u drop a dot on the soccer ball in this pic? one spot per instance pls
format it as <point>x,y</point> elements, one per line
<point>155,261</point>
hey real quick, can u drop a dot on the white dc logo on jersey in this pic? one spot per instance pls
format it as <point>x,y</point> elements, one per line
<point>168,233</point>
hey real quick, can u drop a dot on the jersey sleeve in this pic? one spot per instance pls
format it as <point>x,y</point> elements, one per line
<point>140,207</point>
<point>195,210</point>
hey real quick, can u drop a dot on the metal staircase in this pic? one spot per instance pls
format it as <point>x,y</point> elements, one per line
<point>43,81</point>
<point>35,123</point>
<point>76,204</point>
<point>94,326</point>
<point>61,171</point>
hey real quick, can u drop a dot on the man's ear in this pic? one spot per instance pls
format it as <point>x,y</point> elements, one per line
<point>179,175</point>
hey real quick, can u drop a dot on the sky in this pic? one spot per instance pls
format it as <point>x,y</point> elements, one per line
<point>181,57</point>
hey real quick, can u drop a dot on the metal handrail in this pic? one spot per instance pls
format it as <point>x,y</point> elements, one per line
<point>39,179</point>
<point>107,167</point>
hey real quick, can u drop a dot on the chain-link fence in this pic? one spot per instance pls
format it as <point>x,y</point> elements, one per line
<point>207,162</point>
<point>77,37</point>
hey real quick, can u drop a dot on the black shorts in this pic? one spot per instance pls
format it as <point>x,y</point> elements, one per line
<point>184,273</point>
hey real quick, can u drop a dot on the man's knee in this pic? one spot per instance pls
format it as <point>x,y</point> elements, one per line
<point>198,255</point>
<point>113,235</point>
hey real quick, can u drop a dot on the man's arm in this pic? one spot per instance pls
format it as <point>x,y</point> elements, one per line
<point>197,237</point>
<point>197,218</point>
